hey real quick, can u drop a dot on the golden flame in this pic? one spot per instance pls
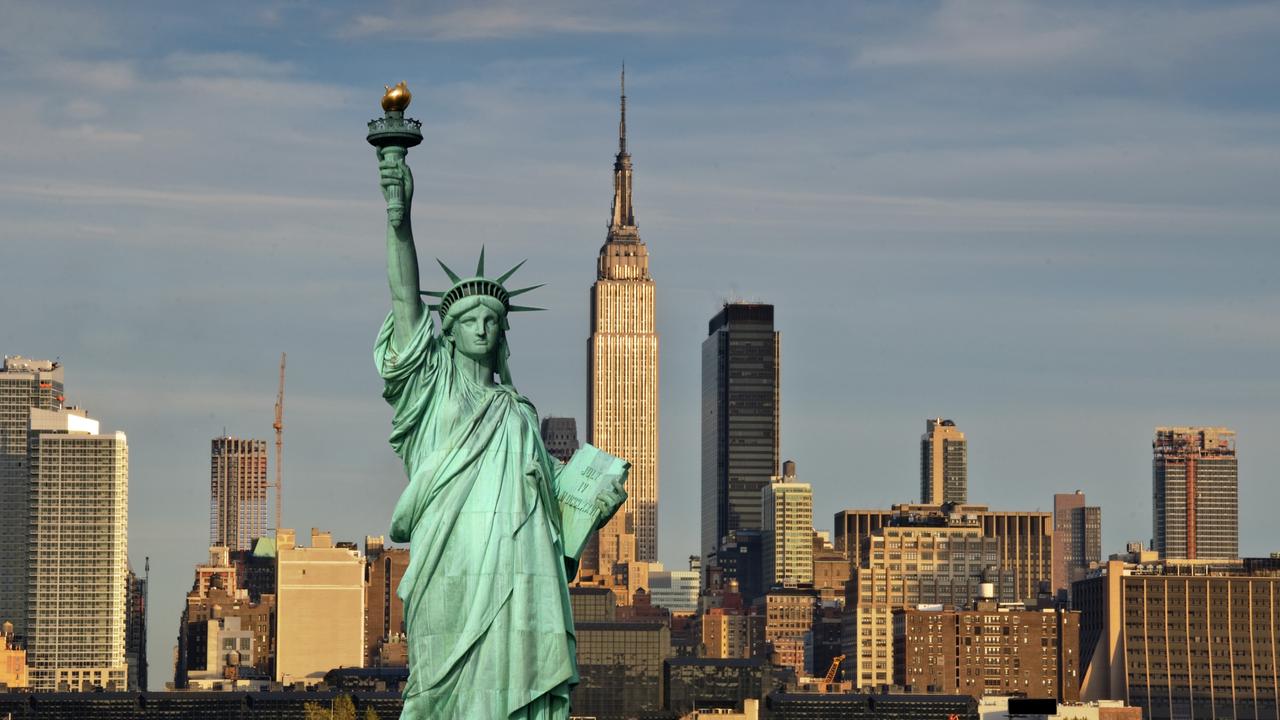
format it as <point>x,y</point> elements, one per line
<point>396,98</point>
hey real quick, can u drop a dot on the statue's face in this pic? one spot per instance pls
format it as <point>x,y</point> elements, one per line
<point>475,332</point>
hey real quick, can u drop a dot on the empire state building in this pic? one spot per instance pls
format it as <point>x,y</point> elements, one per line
<point>622,367</point>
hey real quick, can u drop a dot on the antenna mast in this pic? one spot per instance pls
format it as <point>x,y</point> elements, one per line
<point>279,427</point>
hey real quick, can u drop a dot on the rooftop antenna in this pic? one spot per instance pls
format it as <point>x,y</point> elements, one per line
<point>279,428</point>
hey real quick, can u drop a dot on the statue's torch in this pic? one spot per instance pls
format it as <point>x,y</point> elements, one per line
<point>395,134</point>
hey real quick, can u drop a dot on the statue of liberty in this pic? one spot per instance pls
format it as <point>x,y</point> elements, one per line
<point>494,524</point>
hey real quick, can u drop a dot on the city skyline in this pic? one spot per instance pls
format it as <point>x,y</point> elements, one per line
<point>849,180</point>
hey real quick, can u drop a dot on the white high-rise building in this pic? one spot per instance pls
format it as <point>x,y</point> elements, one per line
<point>77,554</point>
<point>787,506</point>
<point>676,590</point>
<point>24,384</point>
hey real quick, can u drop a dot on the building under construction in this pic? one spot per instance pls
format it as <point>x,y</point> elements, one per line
<point>237,492</point>
<point>1195,493</point>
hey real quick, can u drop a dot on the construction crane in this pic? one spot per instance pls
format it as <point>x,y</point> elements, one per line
<point>831,672</point>
<point>279,426</point>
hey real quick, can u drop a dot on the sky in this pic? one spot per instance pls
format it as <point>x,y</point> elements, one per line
<point>1055,223</point>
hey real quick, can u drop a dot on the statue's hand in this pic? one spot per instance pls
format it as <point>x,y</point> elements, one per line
<point>611,498</point>
<point>396,178</point>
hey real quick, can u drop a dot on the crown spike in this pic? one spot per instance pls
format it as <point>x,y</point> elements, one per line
<point>480,264</point>
<point>511,272</point>
<point>521,291</point>
<point>453,276</point>
<point>432,293</point>
<point>522,308</point>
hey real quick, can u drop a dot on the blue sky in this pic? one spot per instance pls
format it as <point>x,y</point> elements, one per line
<point>1055,223</point>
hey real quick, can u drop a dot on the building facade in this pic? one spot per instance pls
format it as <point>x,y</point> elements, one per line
<point>13,660</point>
<point>944,464</point>
<point>740,560</point>
<point>741,367</point>
<point>237,492</point>
<point>1195,493</point>
<point>560,435</point>
<point>789,615</point>
<point>620,668</point>
<point>831,573</point>
<point>855,706</point>
<point>991,650</point>
<point>677,590</point>
<point>787,532</point>
<point>1077,539</point>
<point>135,627</point>
<point>218,608</point>
<point>690,684</point>
<point>78,553</point>
<point>24,384</point>
<point>622,376</point>
<point>1025,547</point>
<point>1182,639</point>
<point>319,608</point>
<point>902,567</point>
<point>384,638</point>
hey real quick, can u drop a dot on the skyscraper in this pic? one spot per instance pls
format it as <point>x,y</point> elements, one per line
<point>1077,538</point>
<point>1195,502</point>
<point>76,599</point>
<point>237,492</point>
<point>788,530</point>
<point>24,384</point>
<point>944,464</point>
<point>622,374</point>
<point>560,435</point>
<point>740,431</point>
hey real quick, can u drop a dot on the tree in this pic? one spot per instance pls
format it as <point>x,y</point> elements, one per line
<point>370,713</point>
<point>342,708</point>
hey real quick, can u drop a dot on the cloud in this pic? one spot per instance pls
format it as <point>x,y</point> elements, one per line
<point>991,32</point>
<point>103,76</point>
<point>236,64</point>
<point>504,20</point>
<point>1017,36</point>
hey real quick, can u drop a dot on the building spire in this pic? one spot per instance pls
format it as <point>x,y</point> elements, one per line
<point>622,124</point>
<point>622,221</point>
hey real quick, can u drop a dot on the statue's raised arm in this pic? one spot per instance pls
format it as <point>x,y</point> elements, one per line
<point>393,135</point>
<point>402,256</point>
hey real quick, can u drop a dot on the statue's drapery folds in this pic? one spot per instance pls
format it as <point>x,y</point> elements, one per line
<point>486,603</point>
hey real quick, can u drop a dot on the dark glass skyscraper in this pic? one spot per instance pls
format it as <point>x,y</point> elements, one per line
<point>560,435</point>
<point>740,429</point>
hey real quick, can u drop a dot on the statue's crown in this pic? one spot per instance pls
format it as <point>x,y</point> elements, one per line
<point>478,285</point>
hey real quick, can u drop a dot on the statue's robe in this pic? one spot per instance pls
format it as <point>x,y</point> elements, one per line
<point>486,604</point>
